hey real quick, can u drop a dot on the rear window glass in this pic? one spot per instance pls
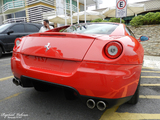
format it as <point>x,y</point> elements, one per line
<point>4,27</point>
<point>31,28</point>
<point>18,28</point>
<point>92,28</point>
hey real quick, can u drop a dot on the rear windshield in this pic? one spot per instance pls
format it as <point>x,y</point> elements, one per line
<point>92,28</point>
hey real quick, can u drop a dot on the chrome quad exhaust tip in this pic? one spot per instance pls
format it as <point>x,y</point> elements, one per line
<point>90,103</point>
<point>16,81</point>
<point>101,105</point>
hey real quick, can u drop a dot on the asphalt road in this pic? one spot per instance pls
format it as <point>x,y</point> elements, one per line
<point>28,104</point>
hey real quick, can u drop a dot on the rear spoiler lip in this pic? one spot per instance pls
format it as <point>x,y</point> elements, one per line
<point>62,34</point>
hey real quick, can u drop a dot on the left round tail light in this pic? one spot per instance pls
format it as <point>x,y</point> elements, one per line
<point>113,50</point>
<point>17,42</point>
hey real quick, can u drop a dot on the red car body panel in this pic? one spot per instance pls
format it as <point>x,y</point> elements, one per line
<point>79,61</point>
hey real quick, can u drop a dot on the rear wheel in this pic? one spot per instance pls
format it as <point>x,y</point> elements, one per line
<point>135,97</point>
<point>0,51</point>
<point>42,87</point>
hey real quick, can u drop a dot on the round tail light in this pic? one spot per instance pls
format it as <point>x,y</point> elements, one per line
<point>17,42</point>
<point>113,50</point>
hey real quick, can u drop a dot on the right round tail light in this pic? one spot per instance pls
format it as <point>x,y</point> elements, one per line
<point>113,50</point>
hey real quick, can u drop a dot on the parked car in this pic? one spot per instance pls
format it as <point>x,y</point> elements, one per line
<point>98,62</point>
<point>9,32</point>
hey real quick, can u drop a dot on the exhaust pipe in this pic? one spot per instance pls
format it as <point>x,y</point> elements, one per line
<point>90,103</point>
<point>101,105</point>
<point>16,81</point>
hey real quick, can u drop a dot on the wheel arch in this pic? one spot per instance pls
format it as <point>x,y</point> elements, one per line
<point>3,49</point>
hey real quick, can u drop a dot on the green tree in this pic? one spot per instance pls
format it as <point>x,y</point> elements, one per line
<point>117,20</point>
<point>157,18</point>
<point>137,21</point>
<point>97,20</point>
<point>149,19</point>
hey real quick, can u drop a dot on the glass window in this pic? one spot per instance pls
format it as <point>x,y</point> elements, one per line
<point>92,28</point>
<point>5,1</point>
<point>31,28</point>
<point>4,27</point>
<point>20,14</point>
<point>18,28</point>
<point>130,32</point>
<point>10,16</point>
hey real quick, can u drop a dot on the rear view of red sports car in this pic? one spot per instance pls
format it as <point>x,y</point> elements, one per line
<point>98,62</point>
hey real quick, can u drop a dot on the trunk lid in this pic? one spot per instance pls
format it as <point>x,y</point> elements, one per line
<point>65,46</point>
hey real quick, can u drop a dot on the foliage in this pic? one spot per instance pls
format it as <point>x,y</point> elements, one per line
<point>117,20</point>
<point>97,20</point>
<point>137,21</point>
<point>148,19</point>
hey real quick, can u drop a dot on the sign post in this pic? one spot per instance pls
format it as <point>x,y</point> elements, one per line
<point>121,9</point>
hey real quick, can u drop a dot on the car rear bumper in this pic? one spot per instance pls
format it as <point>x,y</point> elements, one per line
<point>28,82</point>
<point>90,79</point>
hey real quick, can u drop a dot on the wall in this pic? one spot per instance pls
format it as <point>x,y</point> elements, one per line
<point>151,47</point>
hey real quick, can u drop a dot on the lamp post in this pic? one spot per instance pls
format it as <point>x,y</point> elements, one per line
<point>85,10</point>
<point>71,11</point>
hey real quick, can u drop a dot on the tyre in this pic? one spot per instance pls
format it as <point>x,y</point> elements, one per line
<point>42,87</point>
<point>0,51</point>
<point>135,97</point>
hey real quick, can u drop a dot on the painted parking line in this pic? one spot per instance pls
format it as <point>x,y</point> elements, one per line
<point>111,114</point>
<point>150,76</point>
<point>9,97</point>
<point>133,116</point>
<point>151,71</point>
<point>6,78</point>
<point>151,68</point>
<point>152,85</point>
<point>6,65</point>
<point>108,113</point>
<point>150,96</point>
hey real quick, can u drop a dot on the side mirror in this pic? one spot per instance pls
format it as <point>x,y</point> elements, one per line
<point>143,38</point>
<point>10,31</point>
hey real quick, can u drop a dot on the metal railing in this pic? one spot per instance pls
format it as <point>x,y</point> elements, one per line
<point>50,2</point>
<point>14,20</point>
<point>13,5</point>
<point>74,8</point>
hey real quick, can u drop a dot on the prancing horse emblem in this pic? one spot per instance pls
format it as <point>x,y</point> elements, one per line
<point>47,47</point>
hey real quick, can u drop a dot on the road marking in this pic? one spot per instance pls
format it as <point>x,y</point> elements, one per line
<point>9,97</point>
<point>154,85</point>
<point>148,68</point>
<point>151,71</point>
<point>6,65</point>
<point>150,76</point>
<point>150,96</point>
<point>133,116</point>
<point>6,78</point>
<point>108,113</point>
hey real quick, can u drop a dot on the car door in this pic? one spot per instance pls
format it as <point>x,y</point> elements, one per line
<point>18,31</point>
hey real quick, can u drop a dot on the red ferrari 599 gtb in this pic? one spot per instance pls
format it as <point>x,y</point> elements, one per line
<point>98,62</point>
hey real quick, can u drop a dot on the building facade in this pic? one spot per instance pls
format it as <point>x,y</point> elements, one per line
<point>32,10</point>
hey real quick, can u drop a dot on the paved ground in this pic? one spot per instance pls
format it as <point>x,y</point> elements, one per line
<point>28,104</point>
<point>152,61</point>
